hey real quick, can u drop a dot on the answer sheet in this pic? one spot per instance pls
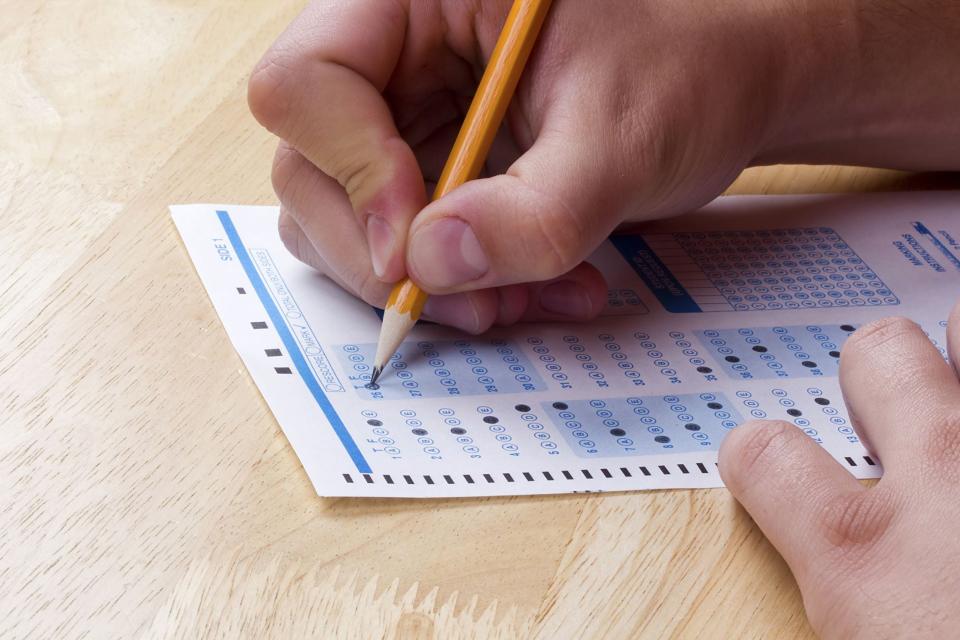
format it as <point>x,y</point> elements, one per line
<point>736,312</point>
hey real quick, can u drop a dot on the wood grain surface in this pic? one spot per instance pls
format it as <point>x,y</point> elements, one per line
<point>145,489</point>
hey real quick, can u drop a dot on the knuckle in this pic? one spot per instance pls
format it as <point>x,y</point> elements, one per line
<point>855,522</point>
<point>753,448</point>
<point>356,171</point>
<point>563,235</point>
<point>270,91</point>
<point>290,235</point>
<point>369,288</point>
<point>294,239</point>
<point>878,333</point>
<point>287,164</point>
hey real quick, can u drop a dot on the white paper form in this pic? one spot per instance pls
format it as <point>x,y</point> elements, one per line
<point>736,312</point>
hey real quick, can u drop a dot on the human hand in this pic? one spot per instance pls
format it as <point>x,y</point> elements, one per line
<point>879,562</point>
<point>628,110</point>
<point>635,111</point>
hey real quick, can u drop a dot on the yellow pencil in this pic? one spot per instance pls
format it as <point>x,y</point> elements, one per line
<point>468,154</point>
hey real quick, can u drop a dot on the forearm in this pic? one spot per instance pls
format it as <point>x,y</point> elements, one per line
<point>870,82</point>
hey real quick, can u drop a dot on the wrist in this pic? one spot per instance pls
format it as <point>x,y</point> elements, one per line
<point>816,44</point>
<point>868,84</point>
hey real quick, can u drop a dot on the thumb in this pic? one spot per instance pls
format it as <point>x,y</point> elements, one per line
<point>801,498</point>
<point>538,221</point>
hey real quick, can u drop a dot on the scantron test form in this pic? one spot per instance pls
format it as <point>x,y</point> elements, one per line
<point>738,311</point>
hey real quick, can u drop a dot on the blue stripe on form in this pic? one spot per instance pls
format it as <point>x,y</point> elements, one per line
<point>293,349</point>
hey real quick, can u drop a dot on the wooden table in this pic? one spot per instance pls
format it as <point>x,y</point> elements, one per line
<point>146,488</point>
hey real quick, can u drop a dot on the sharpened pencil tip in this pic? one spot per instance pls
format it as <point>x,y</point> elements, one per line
<point>375,375</point>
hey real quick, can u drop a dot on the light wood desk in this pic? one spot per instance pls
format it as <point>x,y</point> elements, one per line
<point>145,489</point>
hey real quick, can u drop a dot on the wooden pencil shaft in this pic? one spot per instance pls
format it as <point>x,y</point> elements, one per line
<point>483,119</point>
<point>406,297</point>
<point>493,95</point>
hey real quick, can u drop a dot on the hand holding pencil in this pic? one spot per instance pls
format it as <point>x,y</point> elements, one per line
<point>469,153</point>
<point>369,98</point>
<point>630,110</point>
<point>626,111</point>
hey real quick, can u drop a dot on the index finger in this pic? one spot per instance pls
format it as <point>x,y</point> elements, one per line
<point>319,88</point>
<point>903,396</point>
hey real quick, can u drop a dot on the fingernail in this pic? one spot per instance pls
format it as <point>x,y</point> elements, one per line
<point>381,238</point>
<point>566,298</point>
<point>455,310</point>
<point>447,253</point>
